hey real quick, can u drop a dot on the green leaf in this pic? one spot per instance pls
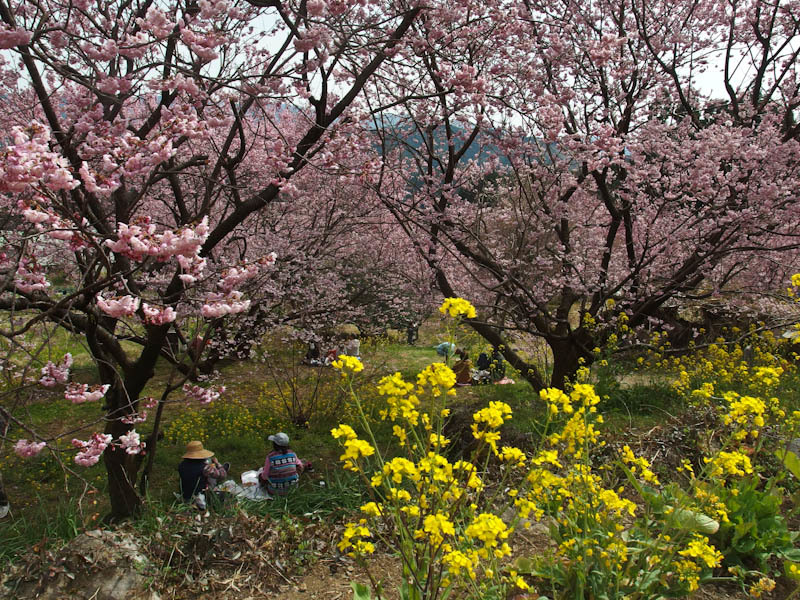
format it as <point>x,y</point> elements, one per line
<point>790,460</point>
<point>524,565</point>
<point>408,592</point>
<point>792,554</point>
<point>360,591</point>
<point>690,520</point>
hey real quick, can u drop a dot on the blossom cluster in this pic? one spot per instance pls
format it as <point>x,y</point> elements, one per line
<point>26,449</point>
<point>201,394</point>
<point>141,239</point>
<point>131,442</point>
<point>78,393</point>
<point>89,451</point>
<point>53,374</point>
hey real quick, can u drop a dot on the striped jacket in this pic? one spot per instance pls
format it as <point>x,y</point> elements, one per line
<point>281,471</point>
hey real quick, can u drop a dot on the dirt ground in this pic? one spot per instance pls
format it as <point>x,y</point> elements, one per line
<point>234,558</point>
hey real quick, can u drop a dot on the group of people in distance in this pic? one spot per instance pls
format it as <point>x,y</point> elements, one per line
<point>200,471</point>
<point>487,369</point>
<point>349,345</point>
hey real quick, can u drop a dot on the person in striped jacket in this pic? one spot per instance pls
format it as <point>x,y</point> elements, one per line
<point>282,468</point>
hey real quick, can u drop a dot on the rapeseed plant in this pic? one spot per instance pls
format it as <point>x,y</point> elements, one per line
<point>641,539</point>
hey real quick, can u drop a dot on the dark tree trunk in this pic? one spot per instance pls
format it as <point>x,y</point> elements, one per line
<point>3,497</point>
<point>567,355</point>
<point>122,469</point>
<point>152,442</point>
<point>121,401</point>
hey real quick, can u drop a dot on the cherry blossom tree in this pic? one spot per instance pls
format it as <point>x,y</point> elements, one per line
<point>145,139</point>
<point>585,167</point>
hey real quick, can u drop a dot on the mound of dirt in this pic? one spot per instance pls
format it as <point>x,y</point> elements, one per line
<point>99,564</point>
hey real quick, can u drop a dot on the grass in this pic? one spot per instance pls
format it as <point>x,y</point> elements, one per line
<point>49,522</point>
<point>330,495</point>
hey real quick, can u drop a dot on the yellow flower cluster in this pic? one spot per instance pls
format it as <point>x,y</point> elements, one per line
<point>492,531</point>
<point>555,398</point>
<point>439,377</point>
<point>728,463</point>
<point>709,503</point>
<point>640,464</point>
<point>494,415</point>
<point>435,527</point>
<point>457,561</point>
<point>458,307</point>
<point>400,402</point>
<point>689,572</point>
<point>372,509</point>
<point>745,414</point>
<point>355,539</point>
<point>700,549</point>
<point>354,448</point>
<point>488,420</point>
<point>347,364</point>
<point>762,586</point>
<point>612,503</point>
<point>513,455</point>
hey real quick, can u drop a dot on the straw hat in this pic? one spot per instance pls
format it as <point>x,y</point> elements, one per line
<point>195,450</point>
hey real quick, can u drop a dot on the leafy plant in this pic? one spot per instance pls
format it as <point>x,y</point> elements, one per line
<point>755,530</point>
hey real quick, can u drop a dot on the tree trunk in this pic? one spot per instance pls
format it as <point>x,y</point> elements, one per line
<point>152,442</point>
<point>3,497</point>
<point>567,355</point>
<point>121,468</point>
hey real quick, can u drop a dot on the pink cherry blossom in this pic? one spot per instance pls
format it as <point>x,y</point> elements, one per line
<point>13,37</point>
<point>134,418</point>
<point>30,277</point>
<point>53,374</point>
<point>27,449</point>
<point>218,305</point>
<point>203,395</point>
<point>131,443</point>
<point>156,315</point>
<point>124,306</point>
<point>316,8</point>
<point>92,449</point>
<point>78,393</point>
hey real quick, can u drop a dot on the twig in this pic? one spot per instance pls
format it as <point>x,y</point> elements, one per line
<point>274,568</point>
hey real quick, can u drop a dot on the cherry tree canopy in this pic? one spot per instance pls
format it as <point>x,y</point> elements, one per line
<point>145,138</point>
<point>570,163</point>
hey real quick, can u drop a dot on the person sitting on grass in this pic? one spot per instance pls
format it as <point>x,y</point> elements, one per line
<point>352,346</point>
<point>282,468</point>
<point>199,472</point>
<point>445,349</point>
<point>463,368</point>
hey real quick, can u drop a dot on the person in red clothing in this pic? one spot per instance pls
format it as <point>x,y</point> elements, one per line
<point>282,468</point>
<point>463,368</point>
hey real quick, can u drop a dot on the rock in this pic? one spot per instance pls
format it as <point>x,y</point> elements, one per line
<point>99,564</point>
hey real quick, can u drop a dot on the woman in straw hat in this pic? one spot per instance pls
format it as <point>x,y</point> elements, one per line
<point>199,471</point>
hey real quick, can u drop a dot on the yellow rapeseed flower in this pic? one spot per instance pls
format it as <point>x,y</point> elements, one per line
<point>347,364</point>
<point>458,307</point>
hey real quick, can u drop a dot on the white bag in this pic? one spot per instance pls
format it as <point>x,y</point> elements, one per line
<point>249,478</point>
